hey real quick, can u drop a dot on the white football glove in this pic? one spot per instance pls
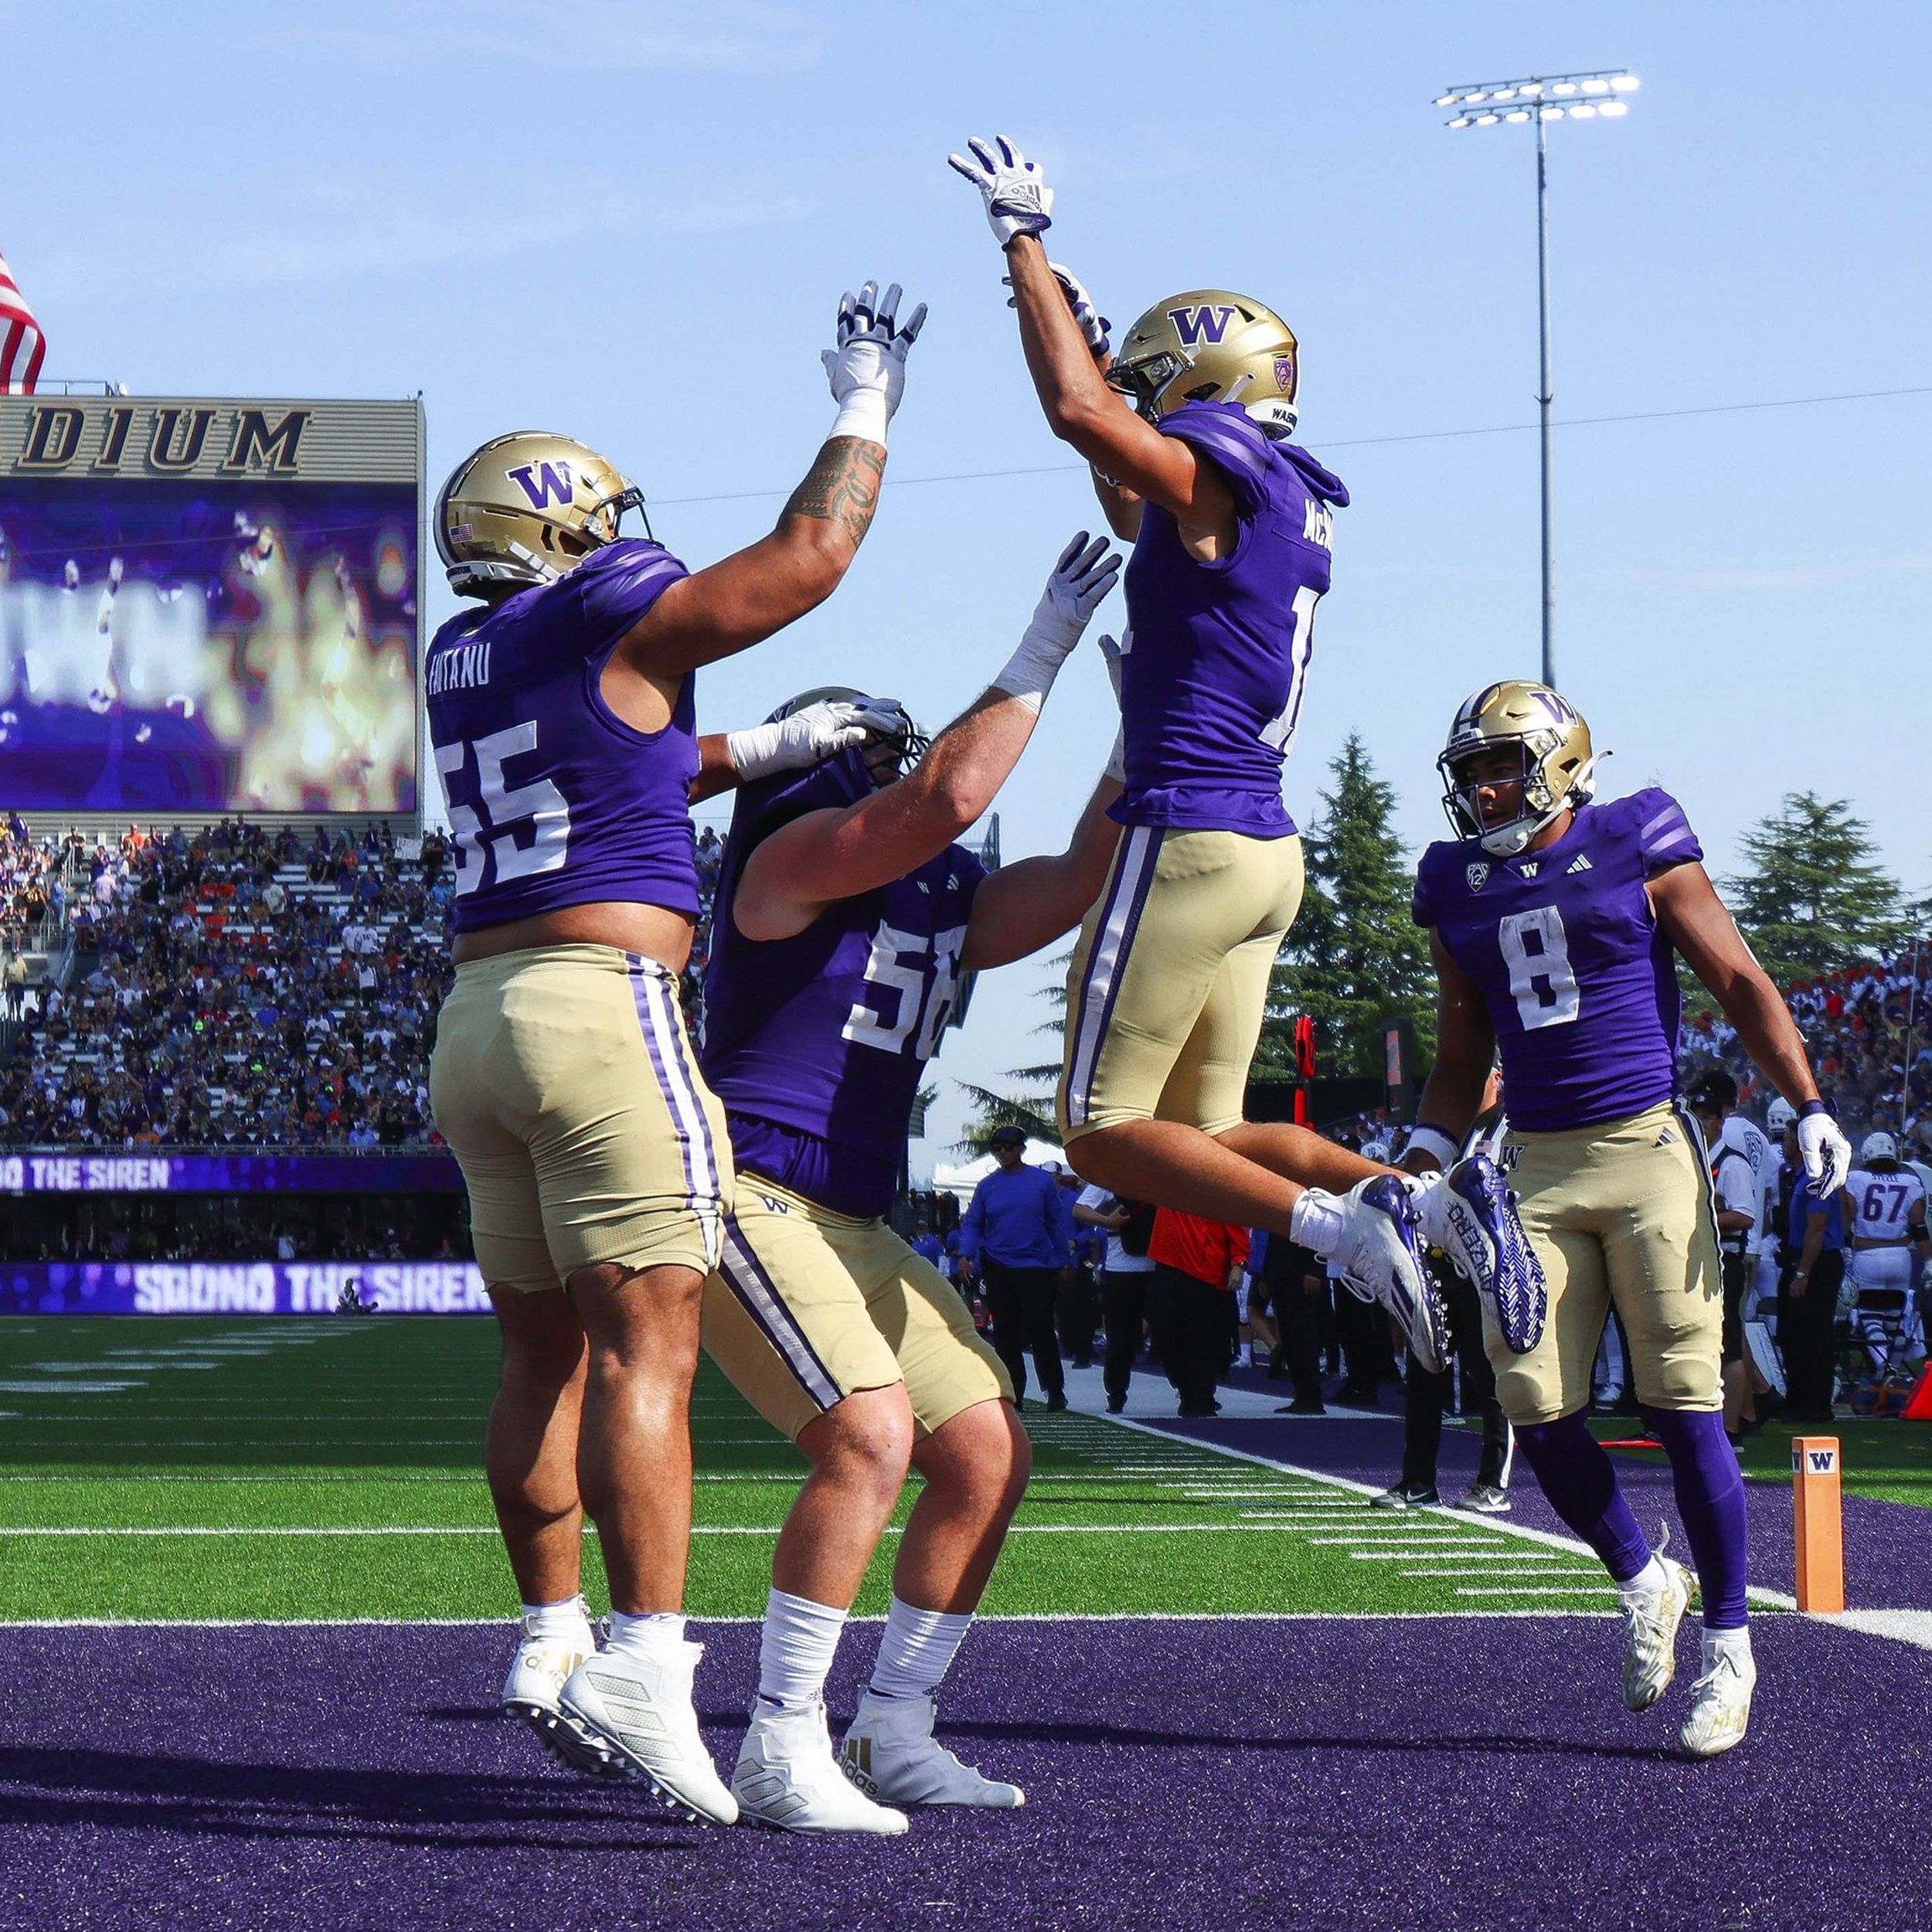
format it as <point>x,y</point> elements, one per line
<point>1082,577</point>
<point>1017,199</point>
<point>805,738</point>
<point>1826,1153</point>
<point>1094,325</point>
<point>866,367</point>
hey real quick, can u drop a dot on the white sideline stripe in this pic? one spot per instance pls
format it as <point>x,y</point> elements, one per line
<point>1605,1588</point>
<point>1467,1555</point>
<point>1558,1575</point>
<point>1774,1599</point>
<point>1904,1626</point>
<point>995,1617</point>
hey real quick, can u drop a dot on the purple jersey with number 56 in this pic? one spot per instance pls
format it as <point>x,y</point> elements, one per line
<point>1579,979</point>
<point>1216,655</point>
<point>553,799</point>
<point>816,1044</point>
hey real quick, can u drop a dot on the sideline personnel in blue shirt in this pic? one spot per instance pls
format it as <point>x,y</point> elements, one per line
<point>1017,1238</point>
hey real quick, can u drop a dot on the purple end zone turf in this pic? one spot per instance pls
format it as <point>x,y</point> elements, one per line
<point>1372,1775</point>
<point>1888,1546</point>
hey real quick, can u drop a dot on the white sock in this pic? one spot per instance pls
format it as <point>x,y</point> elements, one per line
<point>567,1619</point>
<point>1647,1582</point>
<point>1317,1221</point>
<point>795,1650</point>
<point>916,1651</point>
<point>1733,1644</point>
<point>649,1636</point>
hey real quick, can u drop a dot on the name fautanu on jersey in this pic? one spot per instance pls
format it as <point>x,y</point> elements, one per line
<point>459,667</point>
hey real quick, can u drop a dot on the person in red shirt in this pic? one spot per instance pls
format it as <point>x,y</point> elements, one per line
<point>1196,1263</point>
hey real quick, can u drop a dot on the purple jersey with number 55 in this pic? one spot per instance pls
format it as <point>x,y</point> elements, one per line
<point>816,1044</point>
<point>1579,979</point>
<point>1216,655</point>
<point>553,799</point>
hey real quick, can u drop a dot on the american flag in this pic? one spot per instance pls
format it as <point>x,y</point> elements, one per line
<point>22,346</point>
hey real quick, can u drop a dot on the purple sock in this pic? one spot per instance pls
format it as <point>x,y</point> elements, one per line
<point>1580,1481</point>
<point>1710,1499</point>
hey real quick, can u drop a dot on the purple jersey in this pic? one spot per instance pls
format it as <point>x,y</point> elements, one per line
<point>1216,655</point>
<point>816,1044</point>
<point>1579,979</point>
<point>553,799</point>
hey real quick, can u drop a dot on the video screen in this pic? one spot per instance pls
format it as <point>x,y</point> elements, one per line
<point>182,644</point>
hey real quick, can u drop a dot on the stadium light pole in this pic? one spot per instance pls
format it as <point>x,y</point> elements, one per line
<point>1536,102</point>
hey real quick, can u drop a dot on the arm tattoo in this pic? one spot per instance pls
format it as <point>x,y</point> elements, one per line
<point>842,486</point>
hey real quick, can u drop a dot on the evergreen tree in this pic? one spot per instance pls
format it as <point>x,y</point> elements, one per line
<point>1354,957</point>
<point>1814,897</point>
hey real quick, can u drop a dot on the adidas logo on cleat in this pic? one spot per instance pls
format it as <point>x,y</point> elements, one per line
<point>855,1760</point>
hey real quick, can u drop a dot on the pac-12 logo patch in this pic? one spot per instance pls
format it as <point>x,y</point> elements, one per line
<point>1285,374</point>
<point>1478,875</point>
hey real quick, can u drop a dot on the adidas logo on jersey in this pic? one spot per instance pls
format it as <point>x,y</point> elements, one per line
<point>1580,863</point>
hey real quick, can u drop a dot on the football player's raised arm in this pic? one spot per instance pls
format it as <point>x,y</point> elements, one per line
<point>743,599</point>
<point>1465,1051</point>
<point>1697,922</point>
<point>1098,421</point>
<point>1028,905</point>
<point>804,866</point>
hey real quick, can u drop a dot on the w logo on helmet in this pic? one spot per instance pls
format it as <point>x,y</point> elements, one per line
<point>1205,322</point>
<point>542,482</point>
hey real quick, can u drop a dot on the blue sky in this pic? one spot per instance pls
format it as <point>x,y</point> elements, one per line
<point>633,223</point>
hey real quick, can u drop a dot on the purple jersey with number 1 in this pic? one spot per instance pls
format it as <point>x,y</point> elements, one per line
<point>1216,655</point>
<point>554,800</point>
<point>1579,982</point>
<point>816,1044</point>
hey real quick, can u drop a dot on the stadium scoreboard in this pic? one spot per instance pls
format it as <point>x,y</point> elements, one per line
<point>210,604</point>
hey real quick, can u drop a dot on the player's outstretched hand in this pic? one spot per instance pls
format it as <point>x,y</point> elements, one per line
<point>1826,1153</point>
<point>867,362</point>
<point>805,738</point>
<point>1017,199</point>
<point>1111,655</point>
<point>1094,326</point>
<point>1081,578</point>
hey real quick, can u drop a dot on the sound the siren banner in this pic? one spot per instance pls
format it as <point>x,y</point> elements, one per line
<point>228,1173</point>
<point>240,1287</point>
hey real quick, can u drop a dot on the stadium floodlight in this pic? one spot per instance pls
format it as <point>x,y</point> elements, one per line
<point>1583,96</point>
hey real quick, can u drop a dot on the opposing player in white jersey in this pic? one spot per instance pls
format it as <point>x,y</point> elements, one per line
<point>1886,1217</point>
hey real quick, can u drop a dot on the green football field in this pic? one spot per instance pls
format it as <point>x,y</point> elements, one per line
<point>260,1470</point>
<point>247,1470</point>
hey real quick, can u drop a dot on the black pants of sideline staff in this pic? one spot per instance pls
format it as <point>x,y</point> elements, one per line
<point>1804,1337</point>
<point>1123,1302</point>
<point>1021,1302</point>
<point>1425,1394</point>
<point>1187,1321</point>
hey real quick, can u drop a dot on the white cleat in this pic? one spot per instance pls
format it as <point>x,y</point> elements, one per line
<point>1382,1260</point>
<point>638,1713</point>
<point>1650,1618</point>
<point>890,1753</point>
<point>786,1776</point>
<point>538,1673</point>
<point>1720,1704</point>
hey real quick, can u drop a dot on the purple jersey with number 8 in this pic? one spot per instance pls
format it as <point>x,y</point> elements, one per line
<point>1579,982</point>
<point>1216,655</point>
<point>553,799</point>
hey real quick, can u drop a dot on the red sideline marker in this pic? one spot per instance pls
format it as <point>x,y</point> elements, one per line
<point>1918,1404</point>
<point>1819,1516</point>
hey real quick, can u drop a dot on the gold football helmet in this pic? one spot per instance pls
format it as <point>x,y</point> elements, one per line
<point>1210,344</point>
<point>526,506</point>
<point>1548,734</point>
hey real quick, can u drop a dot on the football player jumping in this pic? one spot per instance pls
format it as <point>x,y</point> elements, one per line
<point>845,916</point>
<point>562,713</point>
<point>1187,431</point>
<point>1556,923</point>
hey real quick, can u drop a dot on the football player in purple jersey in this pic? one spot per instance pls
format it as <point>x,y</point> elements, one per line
<point>562,712</point>
<point>1556,923</point>
<point>846,916</point>
<point>1186,430</point>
